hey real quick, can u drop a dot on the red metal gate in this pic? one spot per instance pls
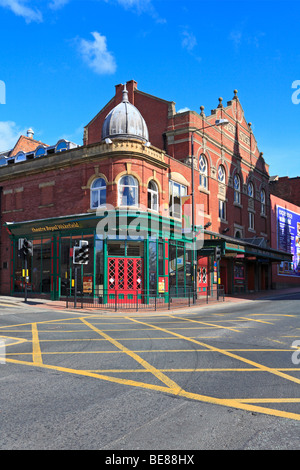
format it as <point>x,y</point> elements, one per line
<point>125,280</point>
<point>202,276</point>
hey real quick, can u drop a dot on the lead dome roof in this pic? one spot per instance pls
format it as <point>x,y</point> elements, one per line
<point>125,121</point>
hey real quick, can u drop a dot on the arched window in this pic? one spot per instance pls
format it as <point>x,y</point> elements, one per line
<point>40,151</point>
<point>98,193</point>
<point>152,196</point>
<point>237,189</point>
<point>221,174</point>
<point>263,202</point>
<point>128,191</point>
<point>250,190</point>
<point>203,171</point>
<point>20,157</point>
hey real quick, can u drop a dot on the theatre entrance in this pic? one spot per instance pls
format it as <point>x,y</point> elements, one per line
<point>125,279</point>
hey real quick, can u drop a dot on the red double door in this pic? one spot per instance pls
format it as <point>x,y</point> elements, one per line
<point>125,280</point>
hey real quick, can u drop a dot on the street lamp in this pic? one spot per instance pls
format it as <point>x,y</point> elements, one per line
<point>218,122</point>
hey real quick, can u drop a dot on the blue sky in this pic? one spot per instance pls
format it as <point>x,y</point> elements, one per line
<point>61,59</point>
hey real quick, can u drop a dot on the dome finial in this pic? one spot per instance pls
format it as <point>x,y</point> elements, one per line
<point>125,94</point>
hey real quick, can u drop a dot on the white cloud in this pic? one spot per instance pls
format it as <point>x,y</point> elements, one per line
<point>96,55</point>
<point>140,6</point>
<point>20,9</point>
<point>57,4</point>
<point>183,110</point>
<point>189,41</point>
<point>9,134</point>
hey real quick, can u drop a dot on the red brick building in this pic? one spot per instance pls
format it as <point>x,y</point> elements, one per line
<point>286,188</point>
<point>136,162</point>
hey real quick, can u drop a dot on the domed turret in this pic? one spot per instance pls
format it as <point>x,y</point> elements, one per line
<point>125,122</point>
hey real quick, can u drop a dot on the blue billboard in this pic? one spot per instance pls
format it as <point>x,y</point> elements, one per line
<point>288,239</point>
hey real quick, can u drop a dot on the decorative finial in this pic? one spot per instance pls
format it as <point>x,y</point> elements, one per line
<point>125,94</point>
<point>202,111</point>
<point>220,105</point>
<point>235,94</point>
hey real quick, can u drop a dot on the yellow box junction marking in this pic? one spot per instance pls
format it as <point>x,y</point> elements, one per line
<point>171,386</point>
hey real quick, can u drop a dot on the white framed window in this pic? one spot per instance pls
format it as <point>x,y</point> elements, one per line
<point>203,171</point>
<point>250,190</point>
<point>98,193</point>
<point>176,191</point>
<point>153,200</point>
<point>237,189</point>
<point>222,209</point>
<point>221,174</point>
<point>128,191</point>
<point>251,221</point>
<point>263,202</point>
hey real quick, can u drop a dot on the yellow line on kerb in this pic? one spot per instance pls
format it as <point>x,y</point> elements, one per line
<point>36,349</point>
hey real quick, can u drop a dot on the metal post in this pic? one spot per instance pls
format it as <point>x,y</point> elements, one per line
<point>194,272</point>
<point>26,265</point>
<point>75,288</point>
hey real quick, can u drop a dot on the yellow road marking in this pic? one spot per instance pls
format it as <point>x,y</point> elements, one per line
<point>258,321</point>
<point>15,340</point>
<point>173,388</point>
<point>204,323</point>
<point>36,349</point>
<point>227,353</point>
<point>193,396</point>
<point>137,358</point>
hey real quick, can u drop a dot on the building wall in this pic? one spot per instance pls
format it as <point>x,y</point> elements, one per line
<point>287,189</point>
<point>234,146</point>
<point>281,274</point>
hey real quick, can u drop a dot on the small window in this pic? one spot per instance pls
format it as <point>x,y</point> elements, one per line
<point>128,191</point>
<point>250,190</point>
<point>263,202</point>
<point>203,171</point>
<point>222,210</point>
<point>152,196</point>
<point>221,174</point>
<point>40,151</point>
<point>237,189</point>
<point>251,220</point>
<point>176,191</point>
<point>21,157</point>
<point>61,146</point>
<point>98,193</point>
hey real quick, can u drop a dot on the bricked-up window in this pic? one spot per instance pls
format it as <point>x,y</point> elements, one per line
<point>128,191</point>
<point>263,202</point>
<point>8,200</point>
<point>203,171</point>
<point>47,193</point>
<point>237,189</point>
<point>98,193</point>
<point>176,191</point>
<point>152,196</point>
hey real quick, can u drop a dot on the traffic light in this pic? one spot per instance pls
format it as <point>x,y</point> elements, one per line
<point>217,253</point>
<point>27,248</point>
<point>84,252</point>
<point>81,253</point>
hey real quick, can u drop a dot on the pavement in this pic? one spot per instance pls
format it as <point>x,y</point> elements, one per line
<point>60,305</point>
